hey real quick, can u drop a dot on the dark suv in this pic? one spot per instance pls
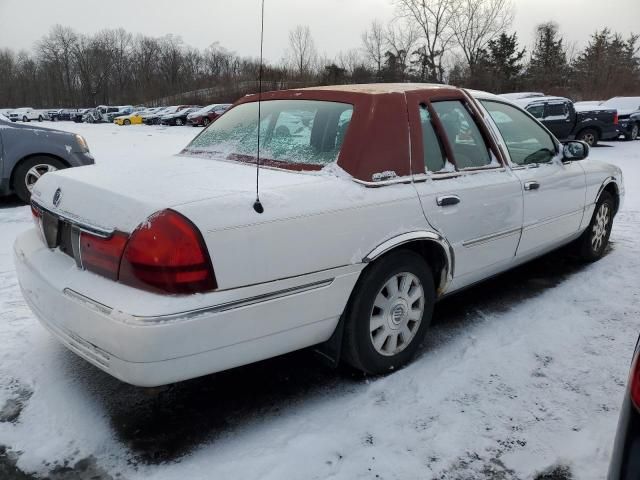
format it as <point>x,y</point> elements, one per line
<point>628,114</point>
<point>28,152</point>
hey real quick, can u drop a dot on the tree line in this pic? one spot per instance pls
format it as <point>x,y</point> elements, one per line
<point>462,42</point>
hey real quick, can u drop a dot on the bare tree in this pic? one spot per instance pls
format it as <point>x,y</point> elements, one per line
<point>434,19</point>
<point>477,22</point>
<point>374,44</point>
<point>401,37</point>
<point>302,50</point>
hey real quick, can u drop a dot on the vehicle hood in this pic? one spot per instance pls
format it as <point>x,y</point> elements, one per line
<point>123,196</point>
<point>38,130</point>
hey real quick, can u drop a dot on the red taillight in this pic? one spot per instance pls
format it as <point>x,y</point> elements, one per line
<point>615,119</point>
<point>634,381</point>
<point>167,253</point>
<point>102,255</point>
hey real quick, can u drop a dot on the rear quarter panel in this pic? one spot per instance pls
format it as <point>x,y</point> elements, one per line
<point>304,228</point>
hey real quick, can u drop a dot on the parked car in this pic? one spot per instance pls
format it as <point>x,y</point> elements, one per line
<point>163,271</point>
<point>54,115</point>
<point>625,460</point>
<point>178,118</point>
<point>28,152</point>
<point>25,114</point>
<point>560,116</point>
<point>120,111</point>
<point>78,116</point>
<point>628,115</point>
<point>154,119</point>
<point>208,114</point>
<point>134,118</point>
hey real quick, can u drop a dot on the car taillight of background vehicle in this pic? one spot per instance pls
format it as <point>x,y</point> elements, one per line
<point>634,381</point>
<point>164,254</point>
<point>167,253</point>
<point>615,119</point>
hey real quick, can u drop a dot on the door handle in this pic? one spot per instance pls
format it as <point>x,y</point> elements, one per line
<point>533,185</point>
<point>447,200</point>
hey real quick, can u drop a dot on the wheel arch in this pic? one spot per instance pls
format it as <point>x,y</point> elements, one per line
<point>594,127</point>
<point>610,186</point>
<point>27,158</point>
<point>431,246</point>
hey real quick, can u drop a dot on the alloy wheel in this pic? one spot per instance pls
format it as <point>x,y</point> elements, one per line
<point>35,172</point>
<point>634,132</point>
<point>396,314</point>
<point>600,227</point>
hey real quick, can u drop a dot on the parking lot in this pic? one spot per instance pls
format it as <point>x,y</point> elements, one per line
<point>520,377</point>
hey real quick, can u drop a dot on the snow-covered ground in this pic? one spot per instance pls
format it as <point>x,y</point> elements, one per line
<point>520,376</point>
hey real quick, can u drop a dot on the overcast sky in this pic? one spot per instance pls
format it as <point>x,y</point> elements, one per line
<point>335,24</point>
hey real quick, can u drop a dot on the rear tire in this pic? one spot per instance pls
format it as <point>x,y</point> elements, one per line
<point>388,313</point>
<point>127,121</point>
<point>40,118</point>
<point>206,122</point>
<point>591,246</point>
<point>635,132</point>
<point>24,176</point>
<point>590,136</point>
<point>179,122</point>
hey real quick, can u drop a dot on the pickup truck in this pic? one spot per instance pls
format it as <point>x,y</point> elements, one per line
<point>566,122</point>
<point>25,114</point>
<point>375,201</point>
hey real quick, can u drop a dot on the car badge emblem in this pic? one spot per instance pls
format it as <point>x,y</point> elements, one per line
<point>57,197</point>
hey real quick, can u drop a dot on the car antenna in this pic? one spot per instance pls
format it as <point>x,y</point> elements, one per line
<point>257,205</point>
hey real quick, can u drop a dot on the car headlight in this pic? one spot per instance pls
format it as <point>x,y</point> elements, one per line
<point>82,143</point>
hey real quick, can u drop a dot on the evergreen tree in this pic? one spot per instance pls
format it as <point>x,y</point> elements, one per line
<point>505,61</point>
<point>548,69</point>
<point>607,66</point>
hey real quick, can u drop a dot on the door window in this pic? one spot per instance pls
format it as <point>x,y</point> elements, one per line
<point>526,140</point>
<point>557,111</point>
<point>434,159</point>
<point>468,145</point>
<point>536,110</point>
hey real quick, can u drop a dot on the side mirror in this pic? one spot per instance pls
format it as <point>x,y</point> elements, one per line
<point>575,150</point>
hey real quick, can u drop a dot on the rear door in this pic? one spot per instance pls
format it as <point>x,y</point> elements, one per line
<point>554,191</point>
<point>466,192</point>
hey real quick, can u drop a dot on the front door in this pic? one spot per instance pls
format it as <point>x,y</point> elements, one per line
<point>465,191</point>
<point>558,119</point>
<point>554,192</point>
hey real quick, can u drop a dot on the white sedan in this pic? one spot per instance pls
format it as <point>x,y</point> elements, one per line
<point>378,201</point>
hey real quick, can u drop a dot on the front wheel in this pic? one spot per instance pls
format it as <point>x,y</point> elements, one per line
<point>127,121</point>
<point>389,313</point>
<point>179,122</point>
<point>28,172</point>
<point>633,135</point>
<point>206,122</point>
<point>40,118</point>
<point>589,136</point>
<point>25,119</point>
<point>593,242</point>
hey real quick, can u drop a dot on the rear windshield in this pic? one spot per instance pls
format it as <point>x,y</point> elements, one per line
<point>302,132</point>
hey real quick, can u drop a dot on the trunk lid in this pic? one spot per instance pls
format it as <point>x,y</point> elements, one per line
<point>110,197</point>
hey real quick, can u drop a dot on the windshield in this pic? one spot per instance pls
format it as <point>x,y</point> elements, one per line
<point>302,132</point>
